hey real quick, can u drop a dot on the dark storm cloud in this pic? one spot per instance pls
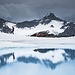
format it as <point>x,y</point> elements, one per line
<point>18,10</point>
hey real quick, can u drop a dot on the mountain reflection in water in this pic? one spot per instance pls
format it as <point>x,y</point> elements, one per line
<point>68,56</point>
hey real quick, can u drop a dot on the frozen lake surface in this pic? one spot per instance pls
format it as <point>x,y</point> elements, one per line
<point>36,56</point>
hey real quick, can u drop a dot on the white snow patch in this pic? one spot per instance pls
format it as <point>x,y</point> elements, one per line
<point>41,27</point>
<point>9,24</point>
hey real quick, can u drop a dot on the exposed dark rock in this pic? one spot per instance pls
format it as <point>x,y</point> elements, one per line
<point>69,31</point>
<point>44,34</point>
<point>1,22</point>
<point>27,24</point>
<point>3,27</point>
<point>6,29</point>
<point>52,26</point>
<point>47,19</point>
<point>41,34</point>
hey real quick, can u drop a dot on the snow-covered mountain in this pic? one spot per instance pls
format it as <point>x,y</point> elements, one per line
<point>6,26</point>
<point>49,26</point>
<point>54,25</point>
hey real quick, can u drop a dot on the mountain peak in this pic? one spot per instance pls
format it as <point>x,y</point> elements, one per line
<point>47,19</point>
<point>51,15</point>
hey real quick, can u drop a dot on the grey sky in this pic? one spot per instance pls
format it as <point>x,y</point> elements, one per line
<point>19,10</point>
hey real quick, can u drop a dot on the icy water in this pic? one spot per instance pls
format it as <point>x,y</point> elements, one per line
<point>25,64</point>
<point>37,56</point>
<point>67,68</point>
